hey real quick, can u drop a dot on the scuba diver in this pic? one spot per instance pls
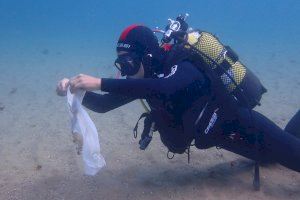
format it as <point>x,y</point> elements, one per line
<point>198,93</point>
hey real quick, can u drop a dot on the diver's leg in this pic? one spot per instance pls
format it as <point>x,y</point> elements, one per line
<point>233,136</point>
<point>282,146</point>
<point>244,148</point>
<point>293,126</point>
<point>277,144</point>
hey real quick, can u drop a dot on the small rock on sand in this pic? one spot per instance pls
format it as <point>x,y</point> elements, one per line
<point>1,107</point>
<point>13,90</point>
<point>38,167</point>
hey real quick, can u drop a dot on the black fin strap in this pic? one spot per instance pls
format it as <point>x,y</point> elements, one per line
<point>137,124</point>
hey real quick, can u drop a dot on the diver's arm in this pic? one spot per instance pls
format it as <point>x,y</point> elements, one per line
<point>139,88</point>
<point>184,74</point>
<point>102,103</point>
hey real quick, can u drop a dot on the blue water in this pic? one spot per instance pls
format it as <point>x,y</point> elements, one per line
<point>250,26</point>
<point>42,41</point>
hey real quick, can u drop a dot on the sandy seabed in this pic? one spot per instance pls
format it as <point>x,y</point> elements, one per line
<point>39,161</point>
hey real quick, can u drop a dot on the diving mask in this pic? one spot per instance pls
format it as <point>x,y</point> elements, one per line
<point>128,64</point>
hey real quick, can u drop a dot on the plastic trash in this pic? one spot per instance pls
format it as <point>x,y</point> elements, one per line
<point>85,134</point>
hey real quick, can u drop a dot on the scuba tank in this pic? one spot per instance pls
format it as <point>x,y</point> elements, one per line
<point>219,62</point>
<point>238,80</point>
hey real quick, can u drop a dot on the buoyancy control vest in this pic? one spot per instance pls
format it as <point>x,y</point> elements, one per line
<point>232,84</point>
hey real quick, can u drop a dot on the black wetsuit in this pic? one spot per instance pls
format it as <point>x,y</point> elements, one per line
<point>171,99</point>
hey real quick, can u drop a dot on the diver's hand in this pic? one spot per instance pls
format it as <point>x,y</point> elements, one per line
<point>84,82</point>
<point>62,87</point>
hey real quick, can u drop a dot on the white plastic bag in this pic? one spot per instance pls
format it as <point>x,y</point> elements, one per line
<point>85,134</point>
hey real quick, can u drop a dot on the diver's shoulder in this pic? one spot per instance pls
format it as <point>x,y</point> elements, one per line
<point>190,69</point>
<point>188,66</point>
<point>186,63</point>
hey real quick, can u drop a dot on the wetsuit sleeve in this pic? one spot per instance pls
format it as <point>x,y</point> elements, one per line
<point>102,103</point>
<point>182,75</point>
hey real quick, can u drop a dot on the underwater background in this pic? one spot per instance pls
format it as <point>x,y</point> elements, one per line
<point>43,41</point>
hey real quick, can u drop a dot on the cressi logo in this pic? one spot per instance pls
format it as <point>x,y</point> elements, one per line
<point>212,121</point>
<point>124,45</point>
